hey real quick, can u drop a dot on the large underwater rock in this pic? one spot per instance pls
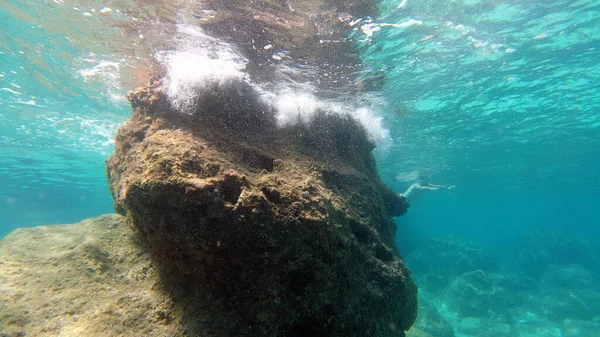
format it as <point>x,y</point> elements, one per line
<point>262,231</point>
<point>89,279</point>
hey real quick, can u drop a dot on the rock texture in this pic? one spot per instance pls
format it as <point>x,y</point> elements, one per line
<point>262,231</point>
<point>88,279</point>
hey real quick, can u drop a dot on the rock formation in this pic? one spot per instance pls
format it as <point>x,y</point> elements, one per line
<point>261,231</point>
<point>89,279</point>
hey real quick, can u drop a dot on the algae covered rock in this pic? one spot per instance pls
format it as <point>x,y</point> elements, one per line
<point>262,231</point>
<point>87,279</point>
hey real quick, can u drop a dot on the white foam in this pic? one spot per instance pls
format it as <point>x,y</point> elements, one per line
<point>11,91</point>
<point>103,68</point>
<point>411,22</point>
<point>373,124</point>
<point>108,74</point>
<point>294,107</point>
<point>198,62</point>
<point>369,28</point>
<point>201,62</point>
<point>301,105</point>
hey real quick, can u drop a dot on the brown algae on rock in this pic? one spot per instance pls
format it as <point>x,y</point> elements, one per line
<point>260,230</point>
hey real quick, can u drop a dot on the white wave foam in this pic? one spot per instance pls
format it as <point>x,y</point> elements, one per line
<point>200,62</point>
<point>294,107</point>
<point>108,74</point>
<point>371,28</point>
<point>301,105</point>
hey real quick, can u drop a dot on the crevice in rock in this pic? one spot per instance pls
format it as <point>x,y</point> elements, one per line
<point>272,195</point>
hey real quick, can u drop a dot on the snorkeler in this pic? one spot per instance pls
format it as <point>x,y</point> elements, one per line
<point>422,184</point>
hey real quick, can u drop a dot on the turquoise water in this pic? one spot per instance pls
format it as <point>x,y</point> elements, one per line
<point>499,98</point>
<point>57,117</point>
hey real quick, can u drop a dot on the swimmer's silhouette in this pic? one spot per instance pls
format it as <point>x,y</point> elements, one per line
<point>420,185</point>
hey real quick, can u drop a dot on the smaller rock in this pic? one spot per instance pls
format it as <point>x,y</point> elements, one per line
<point>538,328</point>
<point>470,325</point>
<point>430,321</point>
<point>576,328</point>
<point>416,332</point>
<point>496,329</point>
<point>559,304</point>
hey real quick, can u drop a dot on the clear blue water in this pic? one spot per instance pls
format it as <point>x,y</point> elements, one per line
<point>499,98</point>
<point>502,100</point>
<point>56,120</point>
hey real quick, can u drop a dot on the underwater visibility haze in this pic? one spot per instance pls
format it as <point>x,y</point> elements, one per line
<point>499,99</point>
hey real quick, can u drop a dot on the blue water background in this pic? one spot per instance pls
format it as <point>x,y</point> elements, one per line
<point>500,99</point>
<point>56,125</point>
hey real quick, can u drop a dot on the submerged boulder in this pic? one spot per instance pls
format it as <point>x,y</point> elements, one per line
<point>89,279</point>
<point>430,321</point>
<point>258,230</point>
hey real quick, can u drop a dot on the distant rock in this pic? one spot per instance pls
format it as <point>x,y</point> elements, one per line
<point>544,247</point>
<point>441,259</point>
<point>572,276</point>
<point>430,321</point>
<point>88,279</point>
<point>266,231</point>
<point>481,295</point>
<point>538,328</point>
<point>416,332</point>
<point>496,329</point>
<point>577,328</point>
<point>560,303</point>
<point>495,299</point>
<point>471,325</point>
